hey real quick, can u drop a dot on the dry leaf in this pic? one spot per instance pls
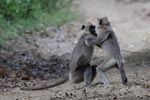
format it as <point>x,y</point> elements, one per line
<point>3,72</point>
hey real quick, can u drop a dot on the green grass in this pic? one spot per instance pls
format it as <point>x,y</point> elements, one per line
<point>43,19</point>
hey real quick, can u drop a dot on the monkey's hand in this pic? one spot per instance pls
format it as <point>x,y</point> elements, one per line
<point>92,40</point>
<point>89,40</point>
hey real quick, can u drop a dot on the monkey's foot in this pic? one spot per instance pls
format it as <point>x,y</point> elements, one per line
<point>94,84</point>
<point>85,85</point>
<point>104,80</point>
<point>125,81</point>
<point>91,85</point>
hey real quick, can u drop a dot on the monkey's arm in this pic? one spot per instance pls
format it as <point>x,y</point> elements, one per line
<point>92,40</point>
<point>82,61</point>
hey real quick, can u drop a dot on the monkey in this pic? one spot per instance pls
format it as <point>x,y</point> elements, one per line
<point>80,69</point>
<point>79,66</point>
<point>81,62</point>
<point>107,40</point>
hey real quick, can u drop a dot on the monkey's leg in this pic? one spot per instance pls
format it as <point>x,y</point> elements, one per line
<point>122,72</point>
<point>88,75</point>
<point>106,65</point>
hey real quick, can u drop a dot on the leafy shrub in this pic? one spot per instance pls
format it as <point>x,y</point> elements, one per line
<point>17,16</point>
<point>11,10</point>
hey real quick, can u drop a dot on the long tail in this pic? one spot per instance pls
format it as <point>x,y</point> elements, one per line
<point>46,87</point>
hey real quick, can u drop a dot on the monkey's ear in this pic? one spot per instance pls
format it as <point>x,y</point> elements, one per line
<point>83,26</point>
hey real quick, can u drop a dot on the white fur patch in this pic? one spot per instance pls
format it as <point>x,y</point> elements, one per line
<point>86,43</point>
<point>70,76</point>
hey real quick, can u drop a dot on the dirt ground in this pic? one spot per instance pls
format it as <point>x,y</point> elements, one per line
<point>130,20</point>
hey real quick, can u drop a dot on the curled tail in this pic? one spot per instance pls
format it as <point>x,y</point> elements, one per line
<point>46,87</point>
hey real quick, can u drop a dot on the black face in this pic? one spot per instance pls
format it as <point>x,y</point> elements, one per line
<point>92,30</point>
<point>104,21</point>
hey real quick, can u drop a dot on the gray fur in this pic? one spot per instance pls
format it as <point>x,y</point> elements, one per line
<point>107,40</point>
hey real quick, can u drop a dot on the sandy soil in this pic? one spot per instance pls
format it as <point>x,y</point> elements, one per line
<point>130,20</point>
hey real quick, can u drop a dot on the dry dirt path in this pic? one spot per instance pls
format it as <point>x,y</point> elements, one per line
<point>130,21</point>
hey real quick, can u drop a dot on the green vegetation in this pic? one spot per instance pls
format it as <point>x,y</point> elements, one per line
<point>17,16</point>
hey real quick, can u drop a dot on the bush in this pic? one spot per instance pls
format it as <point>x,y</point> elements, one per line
<point>17,16</point>
<point>11,10</point>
